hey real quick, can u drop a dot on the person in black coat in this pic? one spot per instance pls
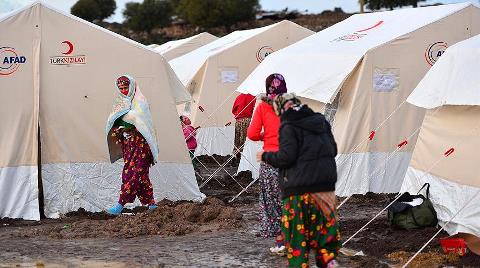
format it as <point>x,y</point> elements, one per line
<point>308,173</point>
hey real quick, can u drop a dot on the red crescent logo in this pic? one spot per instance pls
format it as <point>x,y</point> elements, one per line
<point>70,47</point>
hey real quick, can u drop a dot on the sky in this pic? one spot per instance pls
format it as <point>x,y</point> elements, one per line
<point>313,6</point>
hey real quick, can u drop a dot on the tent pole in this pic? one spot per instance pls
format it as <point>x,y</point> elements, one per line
<point>41,198</point>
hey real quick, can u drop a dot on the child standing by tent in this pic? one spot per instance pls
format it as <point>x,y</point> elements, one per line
<point>306,158</point>
<point>265,118</point>
<point>189,132</point>
<point>130,126</point>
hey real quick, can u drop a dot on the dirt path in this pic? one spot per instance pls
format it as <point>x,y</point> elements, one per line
<point>239,247</point>
<point>219,235</point>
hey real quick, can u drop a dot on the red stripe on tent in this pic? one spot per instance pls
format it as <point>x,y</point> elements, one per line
<point>449,152</point>
<point>201,109</point>
<point>376,25</point>
<point>372,135</point>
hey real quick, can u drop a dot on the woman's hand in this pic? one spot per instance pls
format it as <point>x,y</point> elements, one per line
<point>259,156</point>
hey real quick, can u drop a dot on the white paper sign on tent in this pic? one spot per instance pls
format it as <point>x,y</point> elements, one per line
<point>229,76</point>
<point>386,80</point>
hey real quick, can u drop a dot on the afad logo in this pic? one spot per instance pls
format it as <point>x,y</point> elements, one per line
<point>263,52</point>
<point>10,60</point>
<point>435,51</point>
<point>357,34</point>
<point>67,58</point>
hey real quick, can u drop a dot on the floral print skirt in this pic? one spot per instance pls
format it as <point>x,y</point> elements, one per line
<point>306,227</point>
<point>137,159</point>
<point>241,126</point>
<point>270,201</point>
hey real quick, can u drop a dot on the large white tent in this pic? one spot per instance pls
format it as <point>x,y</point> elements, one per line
<point>364,68</point>
<point>213,72</point>
<point>446,151</point>
<point>58,86</point>
<point>176,48</point>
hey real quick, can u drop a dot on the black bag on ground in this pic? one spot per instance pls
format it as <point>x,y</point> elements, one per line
<point>411,216</point>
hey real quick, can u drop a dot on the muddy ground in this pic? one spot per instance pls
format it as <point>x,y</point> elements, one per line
<point>213,234</point>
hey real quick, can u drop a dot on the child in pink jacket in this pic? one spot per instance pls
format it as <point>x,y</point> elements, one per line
<point>190,134</point>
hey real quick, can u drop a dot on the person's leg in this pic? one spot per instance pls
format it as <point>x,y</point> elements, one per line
<point>295,231</point>
<point>243,131</point>
<point>270,202</point>
<point>194,159</point>
<point>329,244</point>
<point>261,202</point>
<point>143,161</point>
<point>127,190</point>
<point>145,190</point>
<point>241,127</point>
<point>129,187</point>
<point>326,236</point>
<point>237,139</point>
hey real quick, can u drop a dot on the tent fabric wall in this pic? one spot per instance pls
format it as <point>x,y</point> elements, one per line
<point>188,65</point>
<point>19,192</point>
<point>450,83</point>
<point>19,110</point>
<point>454,179</point>
<point>94,186</point>
<point>176,48</point>
<point>213,72</point>
<point>215,140</point>
<point>240,59</point>
<point>336,50</point>
<point>85,107</point>
<point>446,151</point>
<point>248,160</point>
<point>379,163</point>
<point>75,99</point>
<point>365,105</point>
<point>448,127</point>
<point>179,93</point>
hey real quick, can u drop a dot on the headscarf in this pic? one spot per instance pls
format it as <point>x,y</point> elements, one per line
<point>280,101</point>
<point>275,85</point>
<point>134,109</point>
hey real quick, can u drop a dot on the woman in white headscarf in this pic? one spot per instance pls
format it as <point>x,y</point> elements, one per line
<point>131,136</point>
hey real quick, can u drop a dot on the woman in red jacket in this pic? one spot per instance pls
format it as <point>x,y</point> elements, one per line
<point>264,127</point>
<point>242,110</point>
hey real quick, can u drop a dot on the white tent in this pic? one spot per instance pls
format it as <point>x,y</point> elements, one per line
<point>450,92</point>
<point>364,68</point>
<point>58,86</point>
<point>213,72</point>
<point>176,48</point>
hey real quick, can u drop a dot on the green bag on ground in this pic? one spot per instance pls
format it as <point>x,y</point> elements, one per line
<point>413,211</point>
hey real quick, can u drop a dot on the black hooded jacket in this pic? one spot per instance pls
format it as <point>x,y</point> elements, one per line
<point>306,153</point>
